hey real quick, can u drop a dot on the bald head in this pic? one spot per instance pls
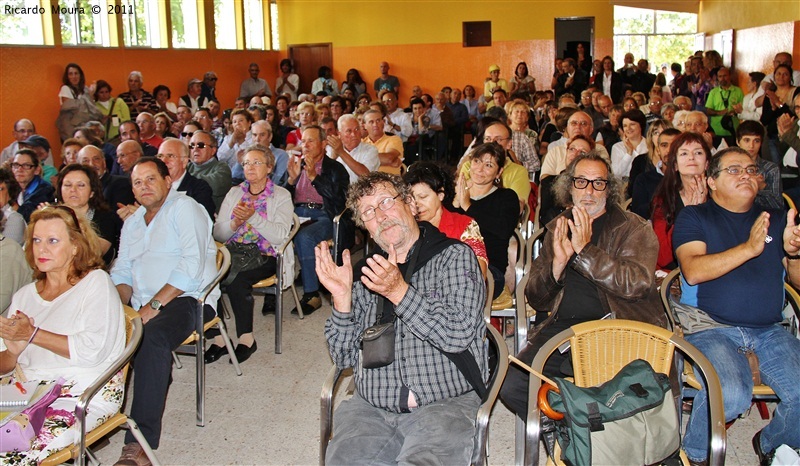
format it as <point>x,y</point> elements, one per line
<point>93,157</point>
<point>128,152</point>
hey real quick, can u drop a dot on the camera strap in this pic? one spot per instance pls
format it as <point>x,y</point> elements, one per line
<point>464,361</point>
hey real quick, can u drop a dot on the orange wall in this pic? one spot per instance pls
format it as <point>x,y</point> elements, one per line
<point>30,77</point>
<point>433,66</point>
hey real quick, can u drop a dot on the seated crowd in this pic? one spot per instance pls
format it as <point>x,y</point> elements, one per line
<point>146,186</point>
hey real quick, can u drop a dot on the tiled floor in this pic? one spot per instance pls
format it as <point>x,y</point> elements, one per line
<point>270,415</point>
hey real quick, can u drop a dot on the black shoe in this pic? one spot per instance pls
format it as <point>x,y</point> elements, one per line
<point>309,303</point>
<point>269,306</point>
<point>764,459</point>
<point>243,353</point>
<point>214,352</point>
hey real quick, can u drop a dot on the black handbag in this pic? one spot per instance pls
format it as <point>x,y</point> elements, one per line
<point>244,257</point>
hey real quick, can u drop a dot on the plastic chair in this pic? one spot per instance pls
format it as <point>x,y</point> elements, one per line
<point>601,348</point>
<point>275,284</point>
<point>498,374</point>
<point>518,309</point>
<point>134,329</point>
<point>195,343</point>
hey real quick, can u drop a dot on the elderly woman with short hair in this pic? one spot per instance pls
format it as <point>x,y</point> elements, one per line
<point>254,221</point>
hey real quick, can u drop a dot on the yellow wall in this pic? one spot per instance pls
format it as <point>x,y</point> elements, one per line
<point>718,15</point>
<point>374,23</point>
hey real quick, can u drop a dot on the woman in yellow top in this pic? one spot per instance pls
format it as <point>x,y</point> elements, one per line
<point>115,111</point>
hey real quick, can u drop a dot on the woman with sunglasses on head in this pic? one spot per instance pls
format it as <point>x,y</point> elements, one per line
<point>684,184</point>
<point>68,323</point>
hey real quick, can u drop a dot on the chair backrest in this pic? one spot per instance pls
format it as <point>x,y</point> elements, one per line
<point>498,375</point>
<point>668,293</point>
<point>285,265</point>
<point>793,303</point>
<point>223,265</point>
<point>601,348</point>
<point>134,329</point>
<point>789,202</point>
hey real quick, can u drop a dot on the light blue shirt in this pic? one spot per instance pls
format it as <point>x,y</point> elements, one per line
<point>176,248</point>
<point>281,165</point>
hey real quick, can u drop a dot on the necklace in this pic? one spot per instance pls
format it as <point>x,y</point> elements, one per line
<point>258,193</point>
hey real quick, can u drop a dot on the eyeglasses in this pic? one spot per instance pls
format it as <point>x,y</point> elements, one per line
<point>212,79</point>
<point>737,170</point>
<point>199,145</point>
<point>24,166</point>
<point>385,204</point>
<point>255,163</point>
<point>24,131</point>
<point>584,124</point>
<point>582,183</point>
<point>187,135</point>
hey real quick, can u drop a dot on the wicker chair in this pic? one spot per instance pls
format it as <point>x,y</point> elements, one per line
<point>761,393</point>
<point>79,451</point>
<point>601,348</point>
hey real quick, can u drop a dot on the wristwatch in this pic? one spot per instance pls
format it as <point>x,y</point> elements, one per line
<point>155,305</point>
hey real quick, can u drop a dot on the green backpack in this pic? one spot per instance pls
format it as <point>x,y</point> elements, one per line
<point>631,419</point>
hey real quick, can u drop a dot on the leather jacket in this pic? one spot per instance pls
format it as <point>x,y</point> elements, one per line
<point>622,264</point>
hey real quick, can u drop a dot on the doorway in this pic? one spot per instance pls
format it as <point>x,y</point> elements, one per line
<point>573,31</point>
<point>307,59</point>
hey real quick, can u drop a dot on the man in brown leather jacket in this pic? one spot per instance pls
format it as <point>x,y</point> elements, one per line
<point>598,262</point>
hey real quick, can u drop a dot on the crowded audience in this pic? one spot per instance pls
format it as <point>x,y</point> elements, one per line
<point>705,164</point>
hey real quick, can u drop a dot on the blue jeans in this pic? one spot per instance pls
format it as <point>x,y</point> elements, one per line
<point>779,360</point>
<point>307,239</point>
<point>439,433</point>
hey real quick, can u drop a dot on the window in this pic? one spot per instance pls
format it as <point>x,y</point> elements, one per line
<point>185,24</point>
<point>659,36</point>
<point>141,23</point>
<point>273,21</point>
<point>84,22</point>
<point>21,22</point>
<point>254,25</point>
<point>225,27</point>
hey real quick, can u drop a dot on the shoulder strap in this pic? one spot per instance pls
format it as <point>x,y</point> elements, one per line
<point>466,363</point>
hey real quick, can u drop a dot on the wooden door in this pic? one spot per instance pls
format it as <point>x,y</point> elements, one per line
<point>307,59</point>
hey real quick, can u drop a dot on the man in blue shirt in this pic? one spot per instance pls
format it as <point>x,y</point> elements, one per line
<point>166,257</point>
<point>733,256</point>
